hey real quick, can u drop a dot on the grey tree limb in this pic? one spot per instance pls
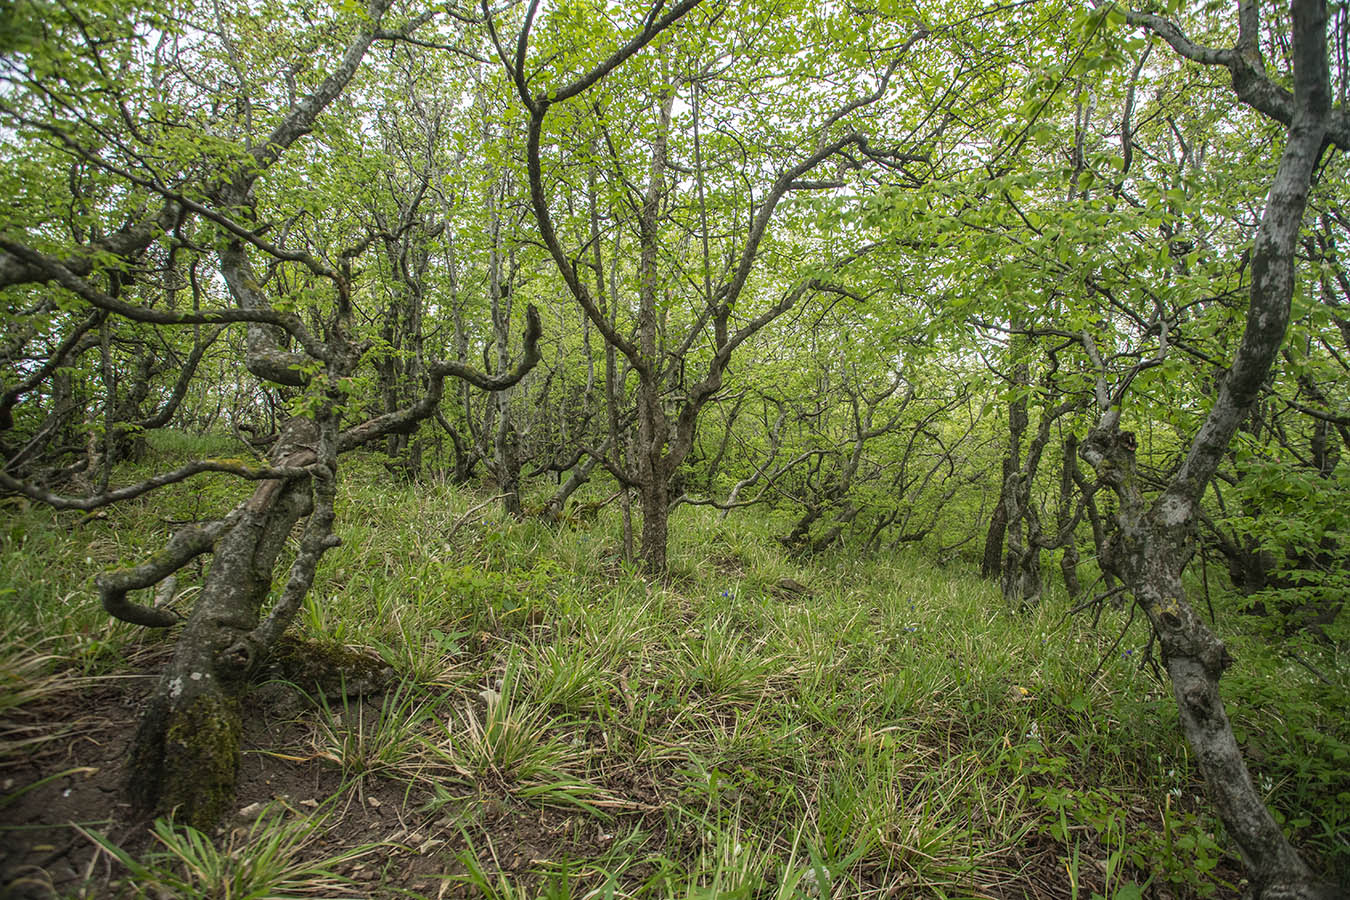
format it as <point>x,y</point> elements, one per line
<point>186,544</point>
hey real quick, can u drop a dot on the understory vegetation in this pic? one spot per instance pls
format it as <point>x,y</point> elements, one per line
<point>545,721</point>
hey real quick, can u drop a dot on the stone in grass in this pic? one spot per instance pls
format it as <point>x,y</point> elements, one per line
<point>251,812</point>
<point>787,588</point>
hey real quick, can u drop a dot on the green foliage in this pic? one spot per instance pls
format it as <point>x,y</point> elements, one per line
<point>1300,518</point>
<point>271,860</point>
<point>1283,716</point>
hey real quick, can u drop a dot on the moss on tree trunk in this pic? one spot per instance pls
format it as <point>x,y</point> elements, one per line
<point>201,760</point>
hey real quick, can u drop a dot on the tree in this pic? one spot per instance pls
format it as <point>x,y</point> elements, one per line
<point>688,297</point>
<point>1156,536</point>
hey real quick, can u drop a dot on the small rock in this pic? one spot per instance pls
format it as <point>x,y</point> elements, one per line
<point>374,802</point>
<point>250,812</point>
<point>790,587</point>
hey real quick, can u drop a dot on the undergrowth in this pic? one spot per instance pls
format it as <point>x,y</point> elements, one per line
<point>893,730</point>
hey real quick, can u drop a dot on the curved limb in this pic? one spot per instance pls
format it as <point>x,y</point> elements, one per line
<point>186,544</point>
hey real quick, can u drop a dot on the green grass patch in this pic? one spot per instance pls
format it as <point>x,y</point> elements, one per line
<point>892,729</point>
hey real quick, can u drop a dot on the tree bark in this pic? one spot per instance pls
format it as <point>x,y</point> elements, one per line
<point>505,444</point>
<point>993,564</point>
<point>1065,523</point>
<point>654,464</point>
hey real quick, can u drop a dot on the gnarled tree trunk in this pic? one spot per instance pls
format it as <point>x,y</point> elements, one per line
<point>185,758</point>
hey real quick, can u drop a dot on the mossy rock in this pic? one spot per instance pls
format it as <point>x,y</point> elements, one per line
<point>327,669</point>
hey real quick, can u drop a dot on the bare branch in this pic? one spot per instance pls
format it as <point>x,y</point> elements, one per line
<point>182,473</point>
<point>186,544</point>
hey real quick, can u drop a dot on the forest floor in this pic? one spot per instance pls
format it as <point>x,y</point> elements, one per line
<point>544,721</point>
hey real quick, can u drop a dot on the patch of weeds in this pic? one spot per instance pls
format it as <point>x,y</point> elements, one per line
<point>506,737</point>
<point>490,881</point>
<point>1185,854</point>
<point>1291,723</point>
<point>385,741</point>
<point>27,681</point>
<point>271,860</point>
<point>1094,820</point>
<point>566,675</point>
<point>423,653</point>
<point>175,444</point>
<point>716,663</point>
<point>733,861</point>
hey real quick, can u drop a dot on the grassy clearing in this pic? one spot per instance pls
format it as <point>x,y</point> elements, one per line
<point>561,727</point>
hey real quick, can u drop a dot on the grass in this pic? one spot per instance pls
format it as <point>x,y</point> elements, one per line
<point>587,732</point>
<point>507,737</point>
<point>379,741</point>
<point>270,861</point>
<point>29,681</point>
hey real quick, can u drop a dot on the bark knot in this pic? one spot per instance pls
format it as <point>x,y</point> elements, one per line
<point>1197,701</point>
